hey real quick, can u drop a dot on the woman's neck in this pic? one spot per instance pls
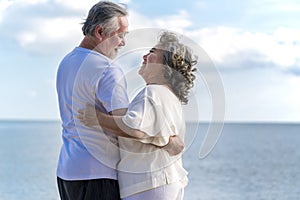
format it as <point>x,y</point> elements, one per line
<point>156,83</point>
<point>157,80</point>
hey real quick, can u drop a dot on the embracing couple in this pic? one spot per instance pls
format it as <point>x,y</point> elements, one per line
<point>112,148</point>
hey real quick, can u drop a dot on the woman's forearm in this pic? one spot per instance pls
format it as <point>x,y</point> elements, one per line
<point>116,126</point>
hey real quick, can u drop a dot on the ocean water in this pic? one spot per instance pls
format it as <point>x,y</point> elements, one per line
<point>250,161</point>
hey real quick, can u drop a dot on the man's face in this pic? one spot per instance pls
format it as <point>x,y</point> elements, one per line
<point>112,43</point>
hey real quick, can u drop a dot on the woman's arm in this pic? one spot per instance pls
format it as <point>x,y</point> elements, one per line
<point>114,124</point>
<point>111,123</point>
<point>175,146</point>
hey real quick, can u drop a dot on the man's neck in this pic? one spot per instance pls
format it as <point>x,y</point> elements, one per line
<point>88,42</point>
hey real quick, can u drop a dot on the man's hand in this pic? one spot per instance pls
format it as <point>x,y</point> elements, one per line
<point>88,115</point>
<point>175,145</point>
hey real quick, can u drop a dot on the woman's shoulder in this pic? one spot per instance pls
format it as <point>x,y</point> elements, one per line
<point>155,88</point>
<point>160,91</point>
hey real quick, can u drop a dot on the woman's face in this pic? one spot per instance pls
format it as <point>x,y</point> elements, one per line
<point>152,67</point>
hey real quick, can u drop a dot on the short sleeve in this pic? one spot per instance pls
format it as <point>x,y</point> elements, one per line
<point>146,115</point>
<point>112,89</point>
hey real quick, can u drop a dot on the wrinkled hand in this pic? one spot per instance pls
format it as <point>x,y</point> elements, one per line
<point>175,146</point>
<point>88,116</point>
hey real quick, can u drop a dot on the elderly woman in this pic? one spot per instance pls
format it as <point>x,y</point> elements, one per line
<point>146,171</point>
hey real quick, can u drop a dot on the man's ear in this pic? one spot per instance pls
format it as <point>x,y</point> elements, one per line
<point>98,32</point>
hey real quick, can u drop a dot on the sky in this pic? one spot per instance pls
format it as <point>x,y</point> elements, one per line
<point>254,47</point>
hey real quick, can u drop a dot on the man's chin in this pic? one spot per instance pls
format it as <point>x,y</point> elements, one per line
<point>113,55</point>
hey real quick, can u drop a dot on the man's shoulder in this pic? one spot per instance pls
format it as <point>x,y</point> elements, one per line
<point>113,70</point>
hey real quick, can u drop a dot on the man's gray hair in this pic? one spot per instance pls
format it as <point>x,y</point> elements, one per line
<point>105,14</point>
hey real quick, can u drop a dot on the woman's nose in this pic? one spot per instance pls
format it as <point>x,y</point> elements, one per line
<point>145,56</point>
<point>123,42</point>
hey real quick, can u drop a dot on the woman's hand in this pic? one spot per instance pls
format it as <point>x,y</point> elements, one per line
<point>175,146</point>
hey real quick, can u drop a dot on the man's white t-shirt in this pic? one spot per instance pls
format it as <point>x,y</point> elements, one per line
<point>86,76</point>
<point>158,113</point>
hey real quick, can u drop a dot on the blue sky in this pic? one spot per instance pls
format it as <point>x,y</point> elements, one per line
<point>254,45</point>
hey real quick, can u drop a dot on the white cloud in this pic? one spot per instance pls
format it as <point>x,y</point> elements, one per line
<point>77,4</point>
<point>229,45</point>
<point>225,44</point>
<point>178,22</point>
<point>43,34</point>
<point>33,2</point>
<point>125,1</point>
<point>4,4</point>
<point>50,35</point>
<point>44,26</point>
<point>200,4</point>
<point>26,38</point>
<point>261,95</point>
<point>137,20</point>
<point>32,93</point>
<point>275,6</point>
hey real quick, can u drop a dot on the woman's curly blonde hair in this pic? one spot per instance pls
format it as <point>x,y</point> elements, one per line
<point>180,62</point>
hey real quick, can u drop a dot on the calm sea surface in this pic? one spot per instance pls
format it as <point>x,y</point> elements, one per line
<point>250,161</point>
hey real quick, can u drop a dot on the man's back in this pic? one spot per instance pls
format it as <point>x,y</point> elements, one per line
<point>84,151</point>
